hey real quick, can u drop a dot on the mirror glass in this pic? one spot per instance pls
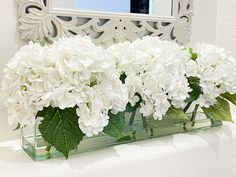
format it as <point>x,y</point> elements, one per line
<point>152,7</point>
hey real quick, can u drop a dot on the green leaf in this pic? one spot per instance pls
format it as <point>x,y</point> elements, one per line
<point>43,42</point>
<point>131,109</point>
<point>116,125</point>
<point>220,111</point>
<point>194,56</point>
<point>44,112</point>
<point>230,97</point>
<point>174,113</point>
<point>123,77</point>
<point>60,129</point>
<point>124,138</point>
<point>194,84</point>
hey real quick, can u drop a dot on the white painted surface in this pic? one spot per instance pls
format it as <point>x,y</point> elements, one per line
<point>210,153</point>
<point>62,4</point>
<point>204,21</point>
<point>215,22</point>
<point>9,44</point>
<point>226,25</point>
<point>162,7</point>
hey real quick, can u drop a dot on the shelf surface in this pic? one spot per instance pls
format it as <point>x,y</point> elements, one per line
<point>205,153</point>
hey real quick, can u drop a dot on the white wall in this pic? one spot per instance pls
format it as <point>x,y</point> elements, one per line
<point>226,29</point>
<point>204,29</point>
<point>226,25</point>
<point>161,7</point>
<point>204,21</point>
<point>215,21</point>
<point>9,44</point>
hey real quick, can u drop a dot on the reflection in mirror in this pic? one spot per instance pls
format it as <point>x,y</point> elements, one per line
<point>151,7</point>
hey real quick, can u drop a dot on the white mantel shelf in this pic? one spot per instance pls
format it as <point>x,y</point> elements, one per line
<point>206,153</point>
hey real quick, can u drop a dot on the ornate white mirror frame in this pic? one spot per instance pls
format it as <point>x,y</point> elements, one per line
<point>38,21</point>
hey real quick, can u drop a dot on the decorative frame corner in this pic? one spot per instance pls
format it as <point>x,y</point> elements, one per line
<point>38,21</point>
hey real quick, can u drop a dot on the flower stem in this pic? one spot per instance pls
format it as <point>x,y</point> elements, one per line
<point>131,120</point>
<point>184,127</point>
<point>48,149</point>
<point>212,121</point>
<point>187,107</point>
<point>145,124</point>
<point>194,114</point>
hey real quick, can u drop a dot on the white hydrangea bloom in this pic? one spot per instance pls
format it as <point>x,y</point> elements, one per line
<point>74,72</point>
<point>71,72</point>
<point>156,70</point>
<point>215,68</point>
<point>23,83</point>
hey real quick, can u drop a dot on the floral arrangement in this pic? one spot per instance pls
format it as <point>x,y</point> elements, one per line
<point>76,89</point>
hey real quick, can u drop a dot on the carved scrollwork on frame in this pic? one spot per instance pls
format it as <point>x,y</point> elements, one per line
<point>38,21</point>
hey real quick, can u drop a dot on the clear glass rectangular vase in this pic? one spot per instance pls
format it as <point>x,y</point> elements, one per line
<point>139,129</point>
